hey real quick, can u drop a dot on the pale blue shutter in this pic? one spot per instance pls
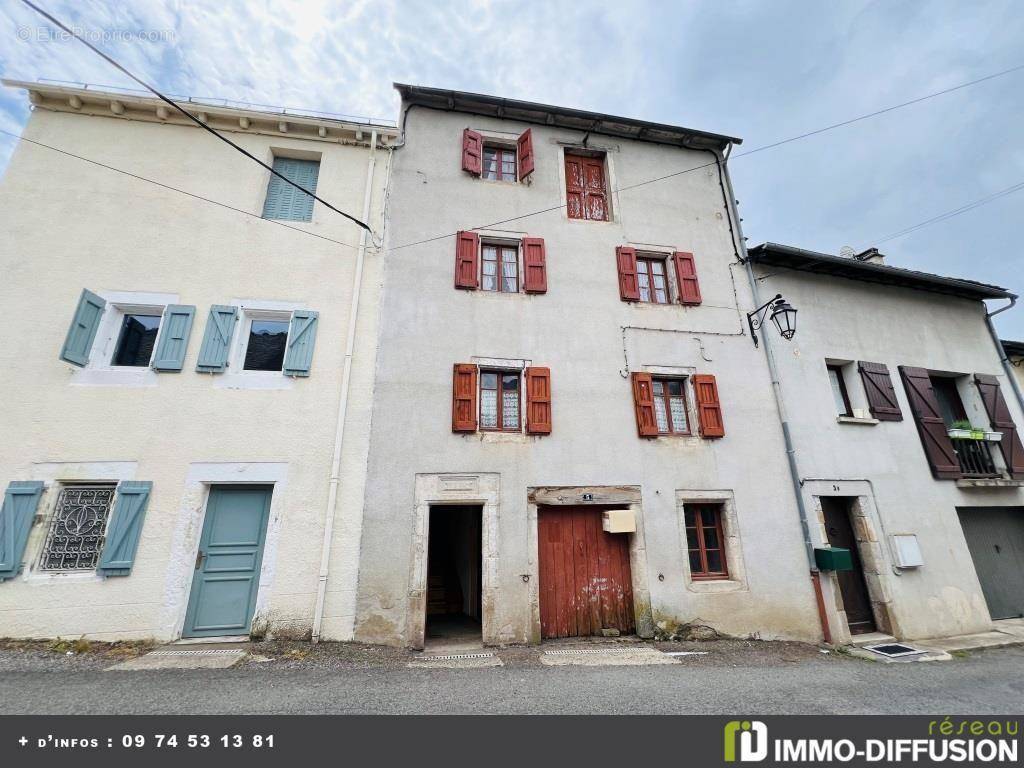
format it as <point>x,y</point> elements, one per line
<point>124,528</point>
<point>16,515</point>
<point>301,338</point>
<point>220,325</point>
<point>83,329</point>
<point>174,332</point>
<point>285,201</point>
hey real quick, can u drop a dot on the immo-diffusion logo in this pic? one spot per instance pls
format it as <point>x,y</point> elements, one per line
<point>752,737</point>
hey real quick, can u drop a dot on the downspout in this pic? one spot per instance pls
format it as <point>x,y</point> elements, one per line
<point>346,377</point>
<point>794,473</point>
<point>1003,358</point>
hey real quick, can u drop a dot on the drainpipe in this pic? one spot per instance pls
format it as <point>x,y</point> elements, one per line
<point>794,473</point>
<point>1003,358</point>
<point>346,377</point>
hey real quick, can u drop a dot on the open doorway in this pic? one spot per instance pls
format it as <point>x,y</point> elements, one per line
<point>454,576</point>
<point>852,586</point>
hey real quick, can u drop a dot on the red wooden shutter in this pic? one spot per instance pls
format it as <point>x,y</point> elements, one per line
<point>464,398</point>
<point>467,260</point>
<point>643,404</point>
<point>538,401</point>
<point>930,424</point>
<point>999,415</point>
<point>709,408</point>
<point>880,391</point>
<point>629,286</point>
<point>686,278</point>
<point>535,277</point>
<point>574,186</point>
<point>595,204</point>
<point>524,148</point>
<point>472,152</point>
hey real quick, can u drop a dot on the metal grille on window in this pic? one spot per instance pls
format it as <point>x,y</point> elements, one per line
<point>78,529</point>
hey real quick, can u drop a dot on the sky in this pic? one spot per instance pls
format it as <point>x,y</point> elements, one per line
<point>763,71</point>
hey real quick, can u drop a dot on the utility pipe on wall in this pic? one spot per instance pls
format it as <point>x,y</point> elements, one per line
<point>1003,358</point>
<point>346,377</point>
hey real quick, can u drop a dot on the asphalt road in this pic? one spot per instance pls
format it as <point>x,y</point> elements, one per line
<point>988,682</point>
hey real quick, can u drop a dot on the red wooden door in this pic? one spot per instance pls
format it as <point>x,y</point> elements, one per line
<point>585,581</point>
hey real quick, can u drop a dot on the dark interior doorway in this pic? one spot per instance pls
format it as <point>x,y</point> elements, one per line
<point>454,568</point>
<point>852,586</point>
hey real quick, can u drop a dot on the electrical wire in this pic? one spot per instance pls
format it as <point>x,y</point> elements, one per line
<point>189,115</point>
<point>175,189</point>
<point>746,153</point>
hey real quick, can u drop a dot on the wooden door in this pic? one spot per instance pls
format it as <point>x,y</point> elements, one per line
<point>585,580</point>
<point>856,601</point>
<point>995,538</point>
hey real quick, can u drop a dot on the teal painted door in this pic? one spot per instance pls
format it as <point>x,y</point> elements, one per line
<point>227,571</point>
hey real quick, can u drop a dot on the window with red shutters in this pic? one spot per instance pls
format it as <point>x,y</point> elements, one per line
<point>686,278</point>
<point>670,405</point>
<point>709,407</point>
<point>538,400</point>
<point>525,147</point>
<point>535,270</point>
<point>625,260</point>
<point>472,151</point>
<point>499,268</point>
<point>467,260</point>
<point>643,404</point>
<point>464,398</point>
<point>499,164</point>
<point>586,192</point>
<point>652,280</point>
<point>500,400</point>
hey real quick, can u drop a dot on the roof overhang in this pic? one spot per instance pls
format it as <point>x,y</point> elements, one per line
<point>1013,348</point>
<point>562,117</point>
<point>775,255</point>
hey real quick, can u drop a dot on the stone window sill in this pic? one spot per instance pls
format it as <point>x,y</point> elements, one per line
<point>989,482</point>
<point>713,586</point>
<point>855,420</point>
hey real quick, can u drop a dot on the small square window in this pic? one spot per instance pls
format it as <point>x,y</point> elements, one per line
<point>670,406</point>
<point>265,345</point>
<point>651,275</point>
<point>499,164</point>
<point>74,541</point>
<point>136,340</point>
<point>499,401</point>
<point>499,268</point>
<point>839,393</point>
<point>705,541</point>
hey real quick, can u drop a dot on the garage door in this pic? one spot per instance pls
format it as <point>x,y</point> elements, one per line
<point>585,582</point>
<point>995,537</point>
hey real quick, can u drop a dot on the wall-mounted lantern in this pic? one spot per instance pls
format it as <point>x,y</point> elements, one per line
<point>782,314</point>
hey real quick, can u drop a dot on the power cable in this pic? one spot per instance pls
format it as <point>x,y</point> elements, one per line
<point>191,117</point>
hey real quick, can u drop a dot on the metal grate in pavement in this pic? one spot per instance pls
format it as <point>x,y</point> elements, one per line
<point>577,651</point>
<point>457,656</point>
<point>204,652</point>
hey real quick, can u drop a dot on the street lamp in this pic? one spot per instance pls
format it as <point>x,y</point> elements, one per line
<point>782,314</point>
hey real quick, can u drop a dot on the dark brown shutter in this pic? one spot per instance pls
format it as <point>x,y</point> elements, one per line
<point>464,398</point>
<point>930,425</point>
<point>472,152</point>
<point>467,260</point>
<point>999,416</point>
<point>535,271</point>
<point>629,287</point>
<point>880,391</point>
<point>524,148</point>
<point>643,404</point>
<point>686,278</point>
<point>538,401</point>
<point>709,407</point>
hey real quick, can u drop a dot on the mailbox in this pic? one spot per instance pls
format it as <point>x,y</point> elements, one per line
<point>833,559</point>
<point>618,521</point>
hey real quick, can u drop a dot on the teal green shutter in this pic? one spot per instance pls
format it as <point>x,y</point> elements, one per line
<point>16,515</point>
<point>301,338</point>
<point>285,201</point>
<point>175,329</point>
<point>83,329</point>
<point>220,325</point>
<point>124,528</point>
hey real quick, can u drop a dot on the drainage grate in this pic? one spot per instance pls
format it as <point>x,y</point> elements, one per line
<point>211,652</point>
<point>576,651</point>
<point>457,656</point>
<point>892,650</point>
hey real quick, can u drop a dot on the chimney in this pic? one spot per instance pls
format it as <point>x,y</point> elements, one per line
<point>871,256</point>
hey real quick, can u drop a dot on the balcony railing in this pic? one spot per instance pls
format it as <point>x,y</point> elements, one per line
<point>975,458</point>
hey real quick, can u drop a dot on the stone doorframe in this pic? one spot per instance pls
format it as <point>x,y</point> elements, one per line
<point>869,531</point>
<point>598,496</point>
<point>454,488</point>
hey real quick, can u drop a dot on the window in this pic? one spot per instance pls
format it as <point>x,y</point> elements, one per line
<point>839,393</point>
<point>136,340</point>
<point>500,270</point>
<point>651,277</point>
<point>705,541</point>
<point>951,407</point>
<point>499,400</point>
<point>75,539</point>
<point>266,344</point>
<point>670,406</point>
<point>585,188</point>
<point>499,164</point>
<point>285,201</point>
